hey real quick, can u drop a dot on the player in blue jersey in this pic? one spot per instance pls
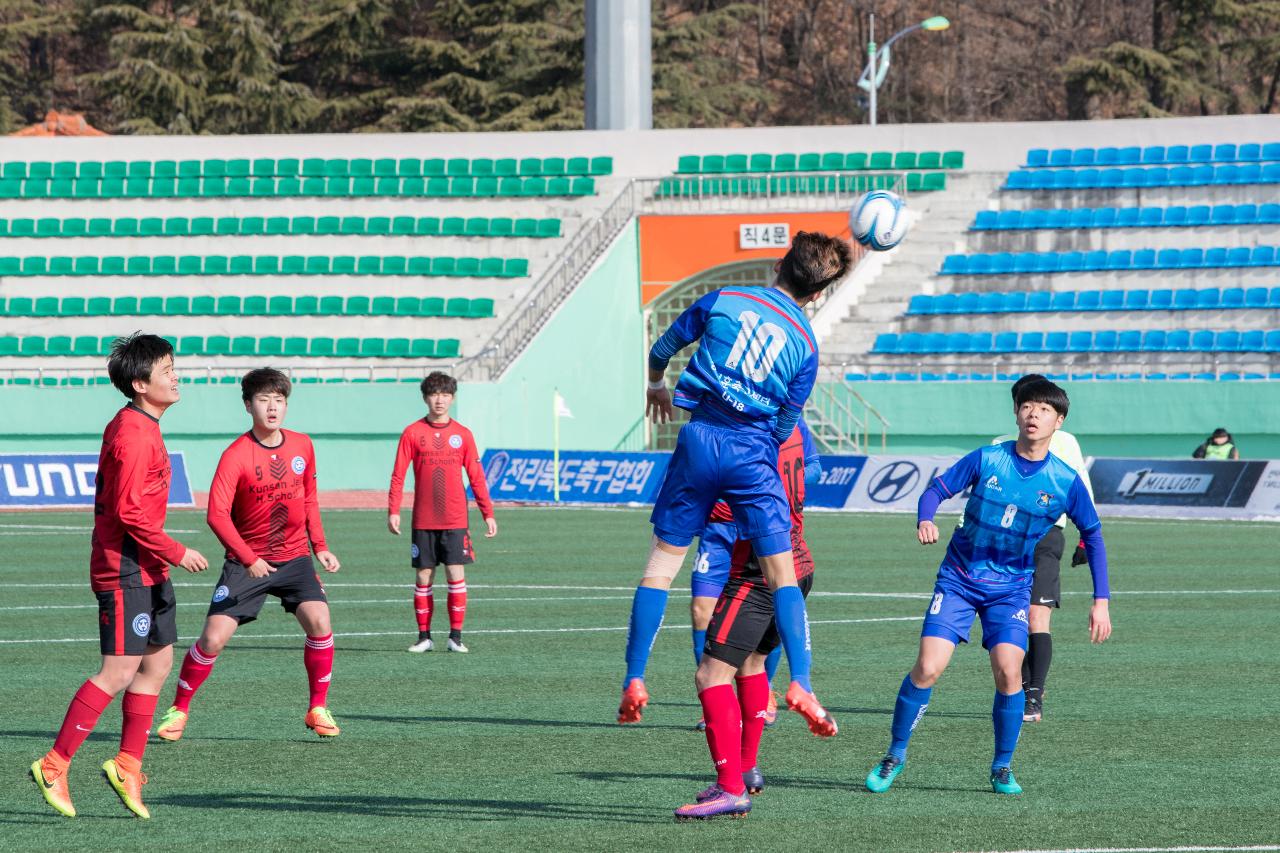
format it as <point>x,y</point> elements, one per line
<point>756,364</point>
<point>711,572</point>
<point>1019,491</point>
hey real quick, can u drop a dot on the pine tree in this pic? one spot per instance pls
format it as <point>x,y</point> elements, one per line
<point>335,48</point>
<point>158,82</point>
<point>696,81</point>
<point>25,87</point>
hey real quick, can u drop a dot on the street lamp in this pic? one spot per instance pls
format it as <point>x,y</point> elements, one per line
<point>878,61</point>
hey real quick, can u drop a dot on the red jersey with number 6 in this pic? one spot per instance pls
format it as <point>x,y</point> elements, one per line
<point>438,453</point>
<point>263,501</point>
<point>130,547</point>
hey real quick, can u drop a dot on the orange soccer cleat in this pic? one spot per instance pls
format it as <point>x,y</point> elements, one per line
<point>771,710</point>
<point>127,781</point>
<point>807,705</point>
<point>51,779</point>
<point>634,698</point>
<point>320,721</point>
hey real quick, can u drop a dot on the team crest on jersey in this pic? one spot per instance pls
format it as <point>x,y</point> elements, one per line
<point>142,624</point>
<point>455,441</point>
<point>414,552</point>
<point>221,593</point>
<point>1044,499</point>
<point>298,464</point>
<point>993,483</point>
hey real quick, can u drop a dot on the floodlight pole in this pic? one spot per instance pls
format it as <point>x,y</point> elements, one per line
<point>871,60</point>
<point>873,53</point>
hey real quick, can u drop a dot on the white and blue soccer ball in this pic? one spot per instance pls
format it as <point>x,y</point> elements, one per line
<point>879,220</point>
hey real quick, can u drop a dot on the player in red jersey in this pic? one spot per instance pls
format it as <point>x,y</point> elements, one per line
<point>740,637</point>
<point>129,574</point>
<point>439,448</point>
<point>263,508</point>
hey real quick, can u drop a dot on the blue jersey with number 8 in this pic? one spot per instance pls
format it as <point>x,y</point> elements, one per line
<point>756,360</point>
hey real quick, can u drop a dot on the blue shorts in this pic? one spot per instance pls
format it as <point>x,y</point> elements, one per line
<point>715,557</point>
<point>1002,607</point>
<point>740,467</point>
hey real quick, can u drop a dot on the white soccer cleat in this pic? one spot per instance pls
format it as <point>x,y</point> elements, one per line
<point>457,646</point>
<point>422,646</point>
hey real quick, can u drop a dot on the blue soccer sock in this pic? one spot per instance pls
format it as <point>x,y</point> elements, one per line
<point>907,711</point>
<point>647,609</point>
<point>699,640</point>
<point>771,663</point>
<point>1006,716</point>
<point>793,624</point>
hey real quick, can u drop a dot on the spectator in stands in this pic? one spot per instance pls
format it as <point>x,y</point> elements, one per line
<point>1220,445</point>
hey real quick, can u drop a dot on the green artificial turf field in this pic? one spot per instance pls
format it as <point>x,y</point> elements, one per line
<point>1164,737</point>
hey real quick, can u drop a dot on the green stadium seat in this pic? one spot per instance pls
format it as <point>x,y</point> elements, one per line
<point>403,226</point>
<point>548,228</point>
<point>316,265</point>
<point>372,347</point>
<point>151,306</point>
<point>65,169</point>
<point>305,306</point>
<point>85,345</point>
<point>228,306</point>
<point>270,345</point>
<point>486,187</point>
<point>394,265</point>
<point>560,185</point>
<point>934,181</point>
<point>177,306</point>
<point>294,346</point>
<point>59,188</point>
<point>238,188</point>
<point>300,225</point>
<point>252,226</point>
<point>422,348</point>
<point>85,266</point>
<point>87,188</point>
<point>458,167</point>
<point>482,167</point>
<point>263,167</point>
<point>582,166</point>
<point>177,226</point>
<point>72,306</point>
<point>431,306</point>
<point>904,160</point>
<point>90,169</point>
<point>277,226</point>
<point>115,169</point>
<point>98,306</point>
<point>436,187</point>
<point>9,345</point>
<point>467,267</point>
<point>368,265</point>
<point>313,186</point>
<point>506,167</point>
<point>124,306</point>
<point>516,268</point>
<point>357,306</point>
<point>202,226</point>
<point>953,159</point>
<point>137,188</point>
<point>448,348</point>
<point>462,187</point>
<point>46,306</point>
<point>14,171</point>
<point>11,188</point>
<point>353,225</point>
<point>383,306</point>
<point>216,265</point>
<point>377,226</point>
<point>105,342</point>
<point>240,265</point>
<point>433,168</point>
<point>112,188</point>
<point>58,345</point>
<point>313,167</point>
<point>189,265</point>
<point>336,167</point>
<point>22,228</point>
<point>203,306</point>
<point>151,226</point>
<point>112,265</point>
<point>331,306</point>
<point>48,227</point>
<point>30,266</point>
<point>32,345</point>
<point>337,186</point>
<point>346,347</point>
<point>217,345</point>
<point>164,265</point>
<point>342,265</point>
<point>397,348</point>
<point>929,160</point>
<point>476,226</point>
<point>490,268</point>
<point>453,226</point>
<point>457,307</point>
<point>419,266</point>
<point>328,225</point>
<point>480,308</point>
<point>138,265</point>
<point>363,186</point>
<point>190,345</point>
<point>526,227</point>
<point>244,345</point>
<point>443,265</point>
<point>407,306</point>
<point>321,346</point>
<point>280,306</point>
<point>583,186</point>
<point>140,169</point>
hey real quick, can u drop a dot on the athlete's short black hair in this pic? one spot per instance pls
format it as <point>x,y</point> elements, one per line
<point>264,380</point>
<point>132,359</point>
<point>1022,382</point>
<point>1043,391</point>
<point>438,383</point>
<point>813,262</point>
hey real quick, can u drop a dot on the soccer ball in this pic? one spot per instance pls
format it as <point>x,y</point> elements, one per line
<point>879,220</point>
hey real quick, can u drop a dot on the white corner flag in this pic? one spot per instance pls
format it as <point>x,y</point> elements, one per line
<point>559,410</point>
<point>562,409</point>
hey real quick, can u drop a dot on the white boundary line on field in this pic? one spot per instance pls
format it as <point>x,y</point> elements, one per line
<point>341,601</point>
<point>609,629</point>
<point>1189,849</point>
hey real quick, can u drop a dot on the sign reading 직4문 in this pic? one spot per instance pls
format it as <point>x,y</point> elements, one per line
<point>775,235</point>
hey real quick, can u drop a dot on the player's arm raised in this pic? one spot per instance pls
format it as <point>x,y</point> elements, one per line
<point>687,328</point>
<point>395,494</point>
<point>134,462</point>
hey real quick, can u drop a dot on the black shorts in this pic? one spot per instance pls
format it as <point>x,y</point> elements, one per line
<point>743,621</point>
<point>1046,585</point>
<point>430,548</point>
<point>239,596</point>
<point>131,619</point>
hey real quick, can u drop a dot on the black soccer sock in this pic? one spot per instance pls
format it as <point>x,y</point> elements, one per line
<point>455,634</point>
<point>424,635</point>
<point>1039,656</point>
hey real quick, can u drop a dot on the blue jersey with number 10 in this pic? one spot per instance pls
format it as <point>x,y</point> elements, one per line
<point>756,357</point>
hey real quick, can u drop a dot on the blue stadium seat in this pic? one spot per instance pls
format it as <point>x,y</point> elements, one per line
<point>1086,157</point>
<point>1273,298</point>
<point>1246,214</point>
<point>1037,157</point>
<point>1129,340</point>
<point>1249,173</point>
<point>956,342</point>
<point>1105,341</point>
<point>1227,341</point>
<point>1210,297</point>
<point>1263,256</point>
<point>1103,217</point>
<point>1108,156</point>
<point>1144,259</point>
<point>1199,214</point>
<point>934,342</point>
<point>1082,217</point>
<point>1064,300</point>
<point>1058,217</point>
<point>1088,300</point>
<point>1226,175</point>
<point>1019,181</point>
<point>1269,214</point>
<point>905,377</point>
<point>1129,156</point>
<point>985,220</point>
<point>1135,178</point>
<point>1153,154</point>
<point>1151,217</point>
<point>1215,257</point>
<point>1055,342</point>
<point>1024,263</point>
<point>1270,174</point>
<point>1112,300</point>
<point>1063,179</point>
<point>980,342</point>
<point>1249,151</point>
<point>1191,258</point>
<point>1222,214</point>
<point>1043,179</point>
<point>1175,216</point>
<point>920,304</point>
<point>991,303</point>
<point>1272,343</point>
<point>946,303</point>
<point>1253,340</point>
<point>954,265</point>
<point>1121,259</point>
<point>886,343</point>
<point>1017,301</point>
<point>1034,219</point>
<point>1039,300</point>
<point>1179,340</point>
<point>1185,300</point>
<point>1080,342</point>
<point>1201,341</point>
<point>1225,153</point>
<point>911,343</point>
<point>1095,261</point>
<point>1031,342</point>
<point>1134,300</point>
<point>978,264</point>
<point>1009,219</point>
<point>1255,297</point>
<point>1200,176</point>
<point>1175,154</point>
<point>1087,179</point>
<point>1058,157</point>
<point>1153,340</point>
<point>1001,263</point>
<point>1111,178</point>
<point>968,303</point>
<point>1238,257</point>
<point>1271,151</point>
<point>1200,154</point>
<point>1127,217</point>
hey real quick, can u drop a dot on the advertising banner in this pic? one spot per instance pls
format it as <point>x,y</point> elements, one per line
<point>41,480</point>
<point>894,483</point>
<point>1175,487</point>
<point>839,474</point>
<point>585,476</point>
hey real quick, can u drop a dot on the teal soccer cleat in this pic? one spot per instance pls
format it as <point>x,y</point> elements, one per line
<point>882,775</point>
<point>1002,781</point>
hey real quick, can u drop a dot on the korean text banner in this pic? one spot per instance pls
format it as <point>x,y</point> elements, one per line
<point>32,480</point>
<point>585,476</point>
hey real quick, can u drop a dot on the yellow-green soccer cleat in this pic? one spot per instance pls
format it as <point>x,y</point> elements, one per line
<point>172,724</point>
<point>128,786</point>
<point>320,721</point>
<point>56,793</point>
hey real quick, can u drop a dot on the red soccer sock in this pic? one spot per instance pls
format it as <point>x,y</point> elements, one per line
<point>724,735</point>
<point>139,710</point>
<point>196,667</point>
<point>82,715</point>
<point>753,699</point>
<point>457,604</point>
<point>423,603</point>
<point>318,658</point>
